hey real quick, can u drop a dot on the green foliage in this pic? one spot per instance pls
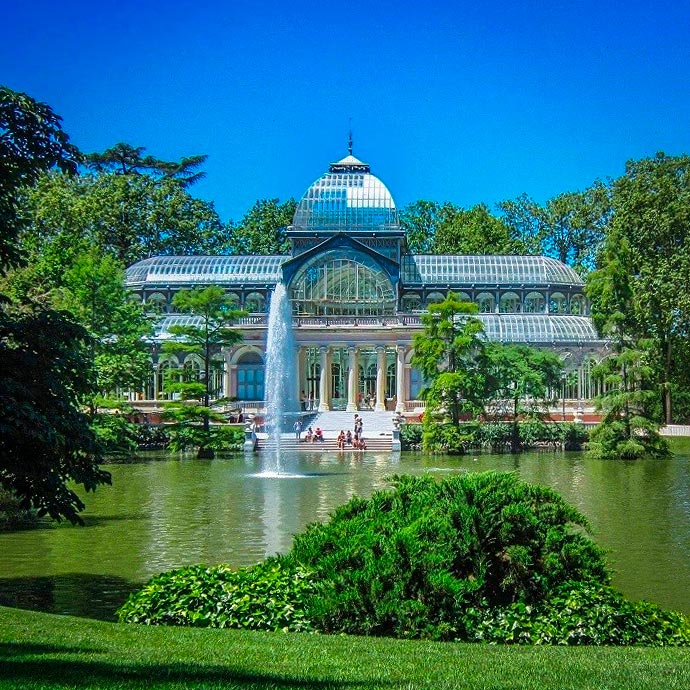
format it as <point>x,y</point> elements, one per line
<point>262,230</point>
<point>583,614</point>
<point>31,141</point>
<point>124,159</point>
<point>568,227</point>
<point>46,443</point>
<point>449,438</point>
<point>641,292</point>
<point>497,437</point>
<point>446,353</point>
<point>626,429</point>
<point>269,596</point>
<point>12,515</point>
<point>520,381</point>
<point>216,314</point>
<point>113,428</point>
<point>187,430</point>
<point>412,561</point>
<point>129,217</point>
<point>445,228</point>
<point>411,436</point>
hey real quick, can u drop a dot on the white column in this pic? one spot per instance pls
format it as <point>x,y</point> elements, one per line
<point>352,380</point>
<point>380,379</point>
<point>400,380</point>
<point>324,395</point>
<point>301,376</point>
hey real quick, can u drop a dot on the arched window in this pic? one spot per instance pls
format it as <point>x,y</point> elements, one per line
<point>338,284</point>
<point>509,303</point>
<point>435,298</point>
<point>234,299</point>
<point>486,303</point>
<point>534,303</point>
<point>164,369</point>
<point>255,303</point>
<point>411,302</point>
<point>558,304</point>
<point>577,304</point>
<point>156,303</point>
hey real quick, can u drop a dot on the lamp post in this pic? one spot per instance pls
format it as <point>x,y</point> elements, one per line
<point>564,379</point>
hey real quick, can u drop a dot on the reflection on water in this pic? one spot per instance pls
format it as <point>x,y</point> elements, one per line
<point>165,514</point>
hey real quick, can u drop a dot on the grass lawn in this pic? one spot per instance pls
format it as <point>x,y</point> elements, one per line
<point>40,650</point>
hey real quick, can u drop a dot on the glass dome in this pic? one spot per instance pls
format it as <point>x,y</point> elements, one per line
<point>347,198</point>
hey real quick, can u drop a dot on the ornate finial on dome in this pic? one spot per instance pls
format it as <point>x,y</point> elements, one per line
<point>349,163</point>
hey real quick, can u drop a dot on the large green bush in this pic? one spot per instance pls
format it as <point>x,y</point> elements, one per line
<point>414,560</point>
<point>480,557</point>
<point>268,596</point>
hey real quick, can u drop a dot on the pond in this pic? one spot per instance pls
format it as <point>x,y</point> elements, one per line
<point>163,513</point>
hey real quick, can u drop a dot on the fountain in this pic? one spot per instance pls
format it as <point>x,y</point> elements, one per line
<point>281,384</point>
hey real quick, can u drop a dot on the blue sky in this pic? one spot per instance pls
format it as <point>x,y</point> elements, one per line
<point>456,101</point>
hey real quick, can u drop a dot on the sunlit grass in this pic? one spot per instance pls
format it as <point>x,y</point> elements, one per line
<point>42,651</point>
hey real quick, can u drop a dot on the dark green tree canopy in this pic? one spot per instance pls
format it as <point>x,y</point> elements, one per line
<point>124,159</point>
<point>433,228</point>
<point>262,229</point>
<point>568,227</point>
<point>31,141</point>
<point>45,439</point>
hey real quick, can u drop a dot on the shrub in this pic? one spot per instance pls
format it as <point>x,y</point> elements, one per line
<point>411,436</point>
<point>267,596</point>
<point>410,561</point>
<point>116,434</point>
<point>583,614</point>
<point>220,437</point>
<point>12,515</point>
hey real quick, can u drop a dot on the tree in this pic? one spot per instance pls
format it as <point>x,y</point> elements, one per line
<point>526,377</point>
<point>131,217</point>
<point>419,220</point>
<point>568,227</point>
<point>262,229</point>
<point>628,428</point>
<point>210,331</point>
<point>45,438</point>
<point>31,141</point>
<point>445,228</point>
<point>647,248</point>
<point>93,291</point>
<point>474,231</point>
<point>124,159</point>
<point>446,353</point>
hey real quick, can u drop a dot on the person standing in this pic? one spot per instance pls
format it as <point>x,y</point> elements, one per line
<point>298,429</point>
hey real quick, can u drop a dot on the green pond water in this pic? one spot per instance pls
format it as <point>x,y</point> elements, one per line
<point>162,513</point>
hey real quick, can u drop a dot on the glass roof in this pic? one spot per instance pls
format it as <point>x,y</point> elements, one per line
<point>505,328</point>
<point>206,269</point>
<point>466,270</point>
<point>347,197</point>
<point>538,328</point>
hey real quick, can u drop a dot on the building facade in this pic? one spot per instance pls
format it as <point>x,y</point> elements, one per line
<point>357,295</point>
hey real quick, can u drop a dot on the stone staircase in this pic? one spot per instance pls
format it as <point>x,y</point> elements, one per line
<point>377,430</point>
